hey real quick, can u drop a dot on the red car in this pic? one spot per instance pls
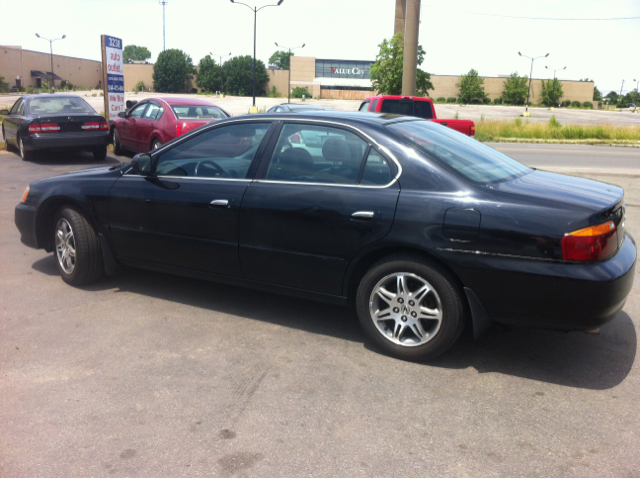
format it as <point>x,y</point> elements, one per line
<point>154,121</point>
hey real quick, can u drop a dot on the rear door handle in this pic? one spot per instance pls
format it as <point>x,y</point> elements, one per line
<point>364,215</point>
<point>219,203</point>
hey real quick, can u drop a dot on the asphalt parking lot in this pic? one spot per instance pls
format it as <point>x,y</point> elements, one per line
<point>146,374</point>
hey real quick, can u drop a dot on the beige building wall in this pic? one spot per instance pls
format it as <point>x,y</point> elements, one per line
<point>279,79</point>
<point>135,72</point>
<point>14,61</point>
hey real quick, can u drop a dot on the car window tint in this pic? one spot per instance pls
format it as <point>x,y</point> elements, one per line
<point>316,154</point>
<point>224,152</point>
<point>374,104</point>
<point>398,107</point>
<point>364,106</point>
<point>137,111</point>
<point>153,111</point>
<point>377,170</point>
<point>422,109</point>
<point>17,105</point>
<point>57,105</point>
<point>198,111</point>
<point>466,156</point>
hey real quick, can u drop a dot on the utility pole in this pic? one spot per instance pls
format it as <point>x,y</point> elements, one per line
<point>164,39</point>
<point>621,87</point>
<point>220,67</point>
<point>526,110</point>
<point>554,81</point>
<point>51,81</point>
<point>410,63</point>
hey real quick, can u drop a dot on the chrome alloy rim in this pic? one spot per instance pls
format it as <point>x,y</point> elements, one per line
<point>156,145</point>
<point>406,309</point>
<point>21,148</point>
<point>65,246</point>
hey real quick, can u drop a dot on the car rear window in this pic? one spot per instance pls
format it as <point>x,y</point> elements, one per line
<point>421,109</point>
<point>468,157</point>
<point>39,106</point>
<point>187,112</point>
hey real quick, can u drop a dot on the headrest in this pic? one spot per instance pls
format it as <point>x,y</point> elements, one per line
<point>336,149</point>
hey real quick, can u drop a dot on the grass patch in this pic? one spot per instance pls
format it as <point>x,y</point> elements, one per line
<point>494,130</point>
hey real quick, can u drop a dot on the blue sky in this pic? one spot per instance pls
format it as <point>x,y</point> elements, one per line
<point>457,36</point>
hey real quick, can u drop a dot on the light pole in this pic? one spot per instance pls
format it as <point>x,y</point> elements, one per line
<point>554,80</point>
<point>51,84</point>
<point>220,66</point>
<point>255,11</point>
<point>289,58</point>
<point>164,39</point>
<point>531,73</point>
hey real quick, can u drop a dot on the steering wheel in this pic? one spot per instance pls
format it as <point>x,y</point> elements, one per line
<point>211,164</point>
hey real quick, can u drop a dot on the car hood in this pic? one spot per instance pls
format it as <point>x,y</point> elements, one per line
<point>554,188</point>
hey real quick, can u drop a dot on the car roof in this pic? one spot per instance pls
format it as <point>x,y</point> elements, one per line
<point>172,100</point>
<point>50,95</point>
<point>350,116</point>
<point>302,106</point>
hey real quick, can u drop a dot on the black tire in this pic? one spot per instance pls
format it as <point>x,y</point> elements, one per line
<point>446,297</point>
<point>24,154</point>
<point>8,145</point>
<point>155,144</point>
<point>87,265</point>
<point>115,139</point>
<point>100,154</point>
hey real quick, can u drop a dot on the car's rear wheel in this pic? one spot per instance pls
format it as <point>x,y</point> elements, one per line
<point>115,139</point>
<point>9,146</point>
<point>24,154</point>
<point>77,248</point>
<point>411,307</point>
<point>100,153</point>
<point>156,144</point>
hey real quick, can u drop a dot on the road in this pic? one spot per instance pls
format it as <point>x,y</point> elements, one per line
<point>146,374</point>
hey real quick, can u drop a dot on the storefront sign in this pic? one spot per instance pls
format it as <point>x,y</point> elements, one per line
<point>113,76</point>
<point>347,71</point>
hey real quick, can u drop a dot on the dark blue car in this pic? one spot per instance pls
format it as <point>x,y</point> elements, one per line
<point>423,229</point>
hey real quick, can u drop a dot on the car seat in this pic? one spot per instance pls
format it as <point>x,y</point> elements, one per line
<point>346,162</point>
<point>293,164</point>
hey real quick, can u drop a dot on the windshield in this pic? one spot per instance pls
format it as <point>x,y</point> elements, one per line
<point>198,111</point>
<point>39,106</point>
<point>469,157</point>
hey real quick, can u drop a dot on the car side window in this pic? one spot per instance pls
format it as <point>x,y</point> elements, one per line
<point>154,112</point>
<point>138,111</point>
<point>316,154</point>
<point>377,171</point>
<point>16,106</point>
<point>374,104</point>
<point>225,152</point>
<point>364,106</point>
<point>279,109</point>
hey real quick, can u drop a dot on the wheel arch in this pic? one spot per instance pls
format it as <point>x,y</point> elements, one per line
<point>45,218</point>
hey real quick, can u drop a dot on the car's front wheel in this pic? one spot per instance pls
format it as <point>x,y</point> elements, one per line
<point>411,307</point>
<point>156,144</point>
<point>77,248</point>
<point>115,139</point>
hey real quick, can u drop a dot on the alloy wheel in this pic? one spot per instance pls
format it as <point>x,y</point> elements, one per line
<point>65,246</point>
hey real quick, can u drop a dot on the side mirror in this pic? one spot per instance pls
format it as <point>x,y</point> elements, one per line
<point>4,112</point>
<point>130,103</point>
<point>141,164</point>
<point>122,114</point>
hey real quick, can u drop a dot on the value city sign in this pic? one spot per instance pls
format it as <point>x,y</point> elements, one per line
<point>113,75</point>
<point>347,71</point>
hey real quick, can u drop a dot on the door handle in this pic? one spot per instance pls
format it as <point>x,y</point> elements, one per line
<point>219,203</point>
<point>365,215</point>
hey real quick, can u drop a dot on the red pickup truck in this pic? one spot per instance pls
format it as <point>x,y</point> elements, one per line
<point>414,106</point>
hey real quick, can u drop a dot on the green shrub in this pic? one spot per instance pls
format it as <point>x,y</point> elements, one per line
<point>486,100</point>
<point>497,101</point>
<point>452,99</point>
<point>139,86</point>
<point>441,99</point>
<point>553,123</point>
<point>194,90</point>
<point>273,93</point>
<point>66,85</point>
<point>576,104</point>
<point>622,105</point>
<point>299,91</point>
<point>4,86</point>
<point>587,104</point>
<point>566,103</point>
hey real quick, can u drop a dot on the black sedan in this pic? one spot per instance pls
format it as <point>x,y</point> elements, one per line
<point>297,107</point>
<point>55,122</point>
<point>423,229</point>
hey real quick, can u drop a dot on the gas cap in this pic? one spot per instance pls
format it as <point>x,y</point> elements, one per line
<point>461,224</point>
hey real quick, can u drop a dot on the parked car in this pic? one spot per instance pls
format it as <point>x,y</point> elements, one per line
<point>289,107</point>
<point>54,122</point>
<point>423,229</point>
<point>151,123</point>
<point>414,106</point>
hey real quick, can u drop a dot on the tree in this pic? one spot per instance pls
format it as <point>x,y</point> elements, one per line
<point>613,97</point>
<point>386,73</point>
<point>552,92</point>
<point>133,53</point>
<point>172,71</point>
<point>4,86</point>
<point>281,59</point>
<point>515,89</point>
<point>238,76</point>
<point>597,96</point>
<point>471,88</point>
<point>209,76</point>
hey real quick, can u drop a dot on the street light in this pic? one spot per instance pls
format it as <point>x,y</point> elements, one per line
<point>554,80</point>
<point>531,73</point>
<point>51,83</point>
<point>164,38</point>
<point>255,11</point>
<point>215,55</point>
<point>289,87</point>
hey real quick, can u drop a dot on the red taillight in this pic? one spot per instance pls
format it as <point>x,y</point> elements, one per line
<point>104,125</point>
<point>181,128</point>
<point>34,129</point>
<point>91,125</point>
<point>473,130</point>
<point>43,127</point>
<point>590,244</point>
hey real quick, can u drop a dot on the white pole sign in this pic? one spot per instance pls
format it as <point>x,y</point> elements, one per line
<point>113,68</point>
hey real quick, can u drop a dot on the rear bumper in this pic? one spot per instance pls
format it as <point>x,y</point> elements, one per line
<point>544,294</point>
<point>25,218</point>
<point>64,141</point>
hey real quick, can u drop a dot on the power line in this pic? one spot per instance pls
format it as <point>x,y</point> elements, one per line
<point>536,18</point>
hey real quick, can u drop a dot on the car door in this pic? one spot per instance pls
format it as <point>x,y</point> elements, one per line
<point>185,214</point>
<point>315,207</point>
<point>14,120</point>
<point>146,125</point>
<point>129,134</point>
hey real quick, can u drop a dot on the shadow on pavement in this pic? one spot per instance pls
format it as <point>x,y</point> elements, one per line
<point>80,158</point>
<point>572,359</point>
